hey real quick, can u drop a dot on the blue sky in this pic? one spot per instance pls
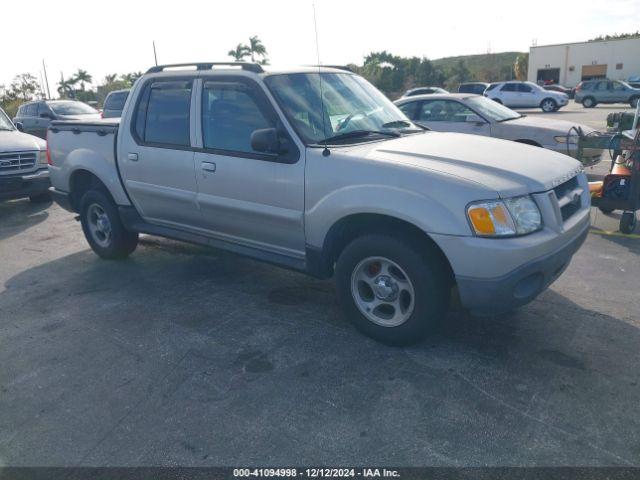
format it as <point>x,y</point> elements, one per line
<point>85,34</point>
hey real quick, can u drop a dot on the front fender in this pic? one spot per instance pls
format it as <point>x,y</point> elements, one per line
<point>428,213</point>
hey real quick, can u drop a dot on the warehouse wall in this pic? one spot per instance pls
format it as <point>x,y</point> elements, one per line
<point>570,59</point>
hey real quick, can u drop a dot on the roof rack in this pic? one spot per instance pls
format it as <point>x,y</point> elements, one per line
<point>251,67</point>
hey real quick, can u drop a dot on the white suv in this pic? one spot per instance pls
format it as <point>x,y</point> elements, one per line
<point>526,95</point>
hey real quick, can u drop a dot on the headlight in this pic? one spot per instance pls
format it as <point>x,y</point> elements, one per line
<point>42,157</point>
<point>573,139</point>
<point>501,218</point>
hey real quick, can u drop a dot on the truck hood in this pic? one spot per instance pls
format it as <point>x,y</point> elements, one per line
<point>15,141</point>
<point>505,167</point>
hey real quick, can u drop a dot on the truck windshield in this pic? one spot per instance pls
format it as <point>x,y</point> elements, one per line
<point>351,104</point>
<point>492,110</point>
<point>72,108</point>
<point>5,123</point>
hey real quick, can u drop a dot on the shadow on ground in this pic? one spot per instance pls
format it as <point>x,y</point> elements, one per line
<point>17,216</point>
<point>184,356</point>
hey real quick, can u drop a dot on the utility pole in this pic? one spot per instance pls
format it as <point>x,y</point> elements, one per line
<point>46,80</point>
<point>155,56</point>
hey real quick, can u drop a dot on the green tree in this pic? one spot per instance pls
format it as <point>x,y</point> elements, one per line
<point>82,77</point>
<point>66,87</point>
<point>457,74</point>
<point>521,66</point>
<point>239,53</point>
<point>25,86</point>
<point>256,48</point>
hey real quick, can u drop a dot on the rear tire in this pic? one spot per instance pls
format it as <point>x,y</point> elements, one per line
<point>103,228</point>
<point>392,289</point>
<point>589,102</point>
<point>548,105</point>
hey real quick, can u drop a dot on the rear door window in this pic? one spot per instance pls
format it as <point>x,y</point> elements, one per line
<point>409,109</point>
<point>163,115</point>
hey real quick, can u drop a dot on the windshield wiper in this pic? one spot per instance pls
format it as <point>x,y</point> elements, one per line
<point>396,124</point>
<point>358,134</point>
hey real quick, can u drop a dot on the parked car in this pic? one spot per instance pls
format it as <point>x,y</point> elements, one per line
<point>346,187</point>
<point>34,117</point>
<point>423,91</point>
<point>554,87</point>
<point>23,164</point>
<point>480,116</point>
<point>114,103</point>
<point>526,95</point>
<point>476,88</point>
<point>592,92</point>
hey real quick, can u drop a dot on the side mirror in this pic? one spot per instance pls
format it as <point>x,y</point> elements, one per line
<point>46,115</point>
<point>266,140</point>
<point>473,118</point>
<point>19,126</point>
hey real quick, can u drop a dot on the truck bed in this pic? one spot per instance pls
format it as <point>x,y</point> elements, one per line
<point>90,144</point>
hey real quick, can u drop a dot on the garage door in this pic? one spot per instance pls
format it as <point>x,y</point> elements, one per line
<point>594,71</point>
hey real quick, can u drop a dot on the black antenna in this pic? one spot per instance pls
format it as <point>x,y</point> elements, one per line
<point>326,151</point>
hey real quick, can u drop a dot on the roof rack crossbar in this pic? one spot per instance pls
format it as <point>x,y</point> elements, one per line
<point>250,67</point>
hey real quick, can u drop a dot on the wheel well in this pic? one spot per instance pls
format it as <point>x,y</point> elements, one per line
<point>528,142</point>
<point>348,228</point>
<point>548,98</point>
<point>82,181</point>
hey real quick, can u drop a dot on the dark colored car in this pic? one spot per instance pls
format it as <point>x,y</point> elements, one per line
<point>114,103</point>
<point>570,92</point>
<point>34,117</point>
<point>477,88</point>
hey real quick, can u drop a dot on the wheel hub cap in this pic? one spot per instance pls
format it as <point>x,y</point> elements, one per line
<point>382,291</point>
<point>385,288</point>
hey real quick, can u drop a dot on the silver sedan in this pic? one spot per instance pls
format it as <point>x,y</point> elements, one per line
<point>478,115</point>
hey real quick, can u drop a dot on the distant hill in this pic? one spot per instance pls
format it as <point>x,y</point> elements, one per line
<point>486,67</point>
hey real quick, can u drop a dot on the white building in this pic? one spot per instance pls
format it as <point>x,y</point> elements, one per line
<point>570,63</point>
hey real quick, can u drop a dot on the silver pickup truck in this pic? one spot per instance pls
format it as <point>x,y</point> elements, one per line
<point>315,170</point>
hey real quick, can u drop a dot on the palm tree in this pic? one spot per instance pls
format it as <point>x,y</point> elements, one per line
<point>239,53</point>
<point>82,76</point>
<point>111,78</point>
<point>65,88</point>
<point>257,48</point>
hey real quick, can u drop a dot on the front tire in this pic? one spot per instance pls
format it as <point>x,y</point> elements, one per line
<point>103,228</point>
<point>589,102</point>
<point>548,105</point>
<point>391,289</point>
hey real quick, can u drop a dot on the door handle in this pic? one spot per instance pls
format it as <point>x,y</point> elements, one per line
<point>208,166</point>
<point>132,156</point>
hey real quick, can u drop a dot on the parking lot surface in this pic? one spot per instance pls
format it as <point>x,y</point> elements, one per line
<point>186,356</point>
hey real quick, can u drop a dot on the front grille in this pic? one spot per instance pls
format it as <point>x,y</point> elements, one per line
<point>16,161</point>
<point>569,196</point>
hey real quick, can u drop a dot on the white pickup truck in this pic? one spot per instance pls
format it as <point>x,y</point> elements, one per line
<point>315,170</point>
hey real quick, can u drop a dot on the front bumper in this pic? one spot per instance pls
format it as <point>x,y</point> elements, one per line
<point>489,296</point>
<point>24,185</point>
